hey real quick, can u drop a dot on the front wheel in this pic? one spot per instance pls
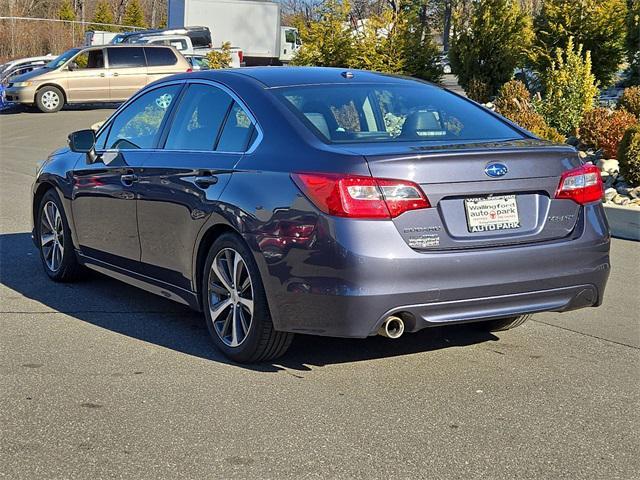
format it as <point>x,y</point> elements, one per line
<point>235,304</point>
<point>503,323</point>
<point>49,99</point>
<point>54,239</point>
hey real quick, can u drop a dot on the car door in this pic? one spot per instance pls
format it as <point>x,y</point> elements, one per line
<point>105,192</point>
<point>182,182</point>
<point>87,77</point>
<point>127,71</point>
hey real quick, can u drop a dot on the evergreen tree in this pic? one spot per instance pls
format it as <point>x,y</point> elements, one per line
<point>380,43</point>
<point>633,41</point>
<point>490,43</point>
<point>134,15</point>
<point>598,25</point>
<point>329,41</point>
<point>421,54</point>
<point>66,11</point>
<point>102,14</point>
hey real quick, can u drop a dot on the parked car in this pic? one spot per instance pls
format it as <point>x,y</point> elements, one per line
<point>183,44</point>
<point>325,202</point>
<point>95,74</point>
<point>18,67</point>
<point>200,36</point>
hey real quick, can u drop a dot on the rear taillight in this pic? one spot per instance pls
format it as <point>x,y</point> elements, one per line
<point>582,185</point>
<point>360,196</point>
<point>241,56</point>
<point>189,70</point>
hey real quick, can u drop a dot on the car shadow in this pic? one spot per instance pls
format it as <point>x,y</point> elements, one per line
<point>120,308</point>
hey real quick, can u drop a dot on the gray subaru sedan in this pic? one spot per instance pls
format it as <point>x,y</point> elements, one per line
<point>326,202</point>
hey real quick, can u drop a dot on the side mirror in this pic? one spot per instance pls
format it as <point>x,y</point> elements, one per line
<point>72,66</point>
<point>82,141</point>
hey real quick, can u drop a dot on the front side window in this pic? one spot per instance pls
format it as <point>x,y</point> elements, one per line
<point>198,118</point>
<point>126,57</point>
<point>160,57</point>
<point>89,59</point>
<point>138,125</point>
<point>392,113</point>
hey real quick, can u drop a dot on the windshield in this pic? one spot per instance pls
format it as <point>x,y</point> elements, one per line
<point>392,113</point>
<point>62,59</point>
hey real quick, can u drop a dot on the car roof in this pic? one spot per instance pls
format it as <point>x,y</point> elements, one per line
<point>273,77</point>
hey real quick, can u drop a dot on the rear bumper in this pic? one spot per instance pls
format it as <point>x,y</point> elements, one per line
<point>356,273</point>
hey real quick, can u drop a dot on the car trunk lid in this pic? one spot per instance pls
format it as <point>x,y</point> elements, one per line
<point>482,195</point>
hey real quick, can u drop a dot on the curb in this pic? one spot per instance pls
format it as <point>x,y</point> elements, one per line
<point>624,222</point>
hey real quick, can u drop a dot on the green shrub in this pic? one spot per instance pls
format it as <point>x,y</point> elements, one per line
<point>514,102</point>
<point>570,89</point>
<point>220,58</point>
<point>629,155</point>
<point>630,100</point>
<point>603,128</point>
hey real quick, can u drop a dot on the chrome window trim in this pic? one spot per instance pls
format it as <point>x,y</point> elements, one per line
<point>186,83</point>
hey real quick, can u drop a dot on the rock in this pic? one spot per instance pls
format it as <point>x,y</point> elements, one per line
<point>622,188</point>
<point>635,193</point>
<point>621,200</point>
<point>609,180</point>
<point>610,166</point>
<point>610,193</point>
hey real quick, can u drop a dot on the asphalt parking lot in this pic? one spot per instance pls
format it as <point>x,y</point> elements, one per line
<point>101,380</point>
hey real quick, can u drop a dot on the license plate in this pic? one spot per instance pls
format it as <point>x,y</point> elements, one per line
<point>488,214</point>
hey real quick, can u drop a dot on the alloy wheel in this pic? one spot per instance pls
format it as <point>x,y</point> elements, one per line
<point>231,299</point>
<point>50,100</point>
<point>51,236</point>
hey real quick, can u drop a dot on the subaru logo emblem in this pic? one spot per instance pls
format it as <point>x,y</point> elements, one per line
<point>496,170</point>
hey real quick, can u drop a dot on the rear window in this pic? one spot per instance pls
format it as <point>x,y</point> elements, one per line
<point>392,113</point>
<point>126,57</point>
<point>160,56</point>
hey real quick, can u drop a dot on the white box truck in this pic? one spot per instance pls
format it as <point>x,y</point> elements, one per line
<point>252,25</point>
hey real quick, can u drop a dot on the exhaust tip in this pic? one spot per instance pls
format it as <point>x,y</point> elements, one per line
<point>392,327</point>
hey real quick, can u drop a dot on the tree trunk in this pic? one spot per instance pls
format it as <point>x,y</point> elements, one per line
<point>446,32</point>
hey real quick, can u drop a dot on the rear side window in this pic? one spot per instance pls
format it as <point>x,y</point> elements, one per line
<point>392,113</point>
<point>160,57</point>
<point>138,125</point>
<point>237,132</point>
<point>126,57</point>
<point>198,119</point>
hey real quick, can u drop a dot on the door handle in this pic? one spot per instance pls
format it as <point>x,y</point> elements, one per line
<point>115,74</point>
<point>102,74</point>
<point>128,179</point>
<point>205,181</point>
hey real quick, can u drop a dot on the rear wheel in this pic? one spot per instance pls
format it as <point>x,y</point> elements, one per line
<point>49,99</point>
<point>503,323</point>
<point>235,304</point>
<point>54,239</point>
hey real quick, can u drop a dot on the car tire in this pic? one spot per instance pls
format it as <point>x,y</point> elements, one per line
<point>49,99</point>
<point>503,323</point>
<point>54,240</point>
<point>235,304</point>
